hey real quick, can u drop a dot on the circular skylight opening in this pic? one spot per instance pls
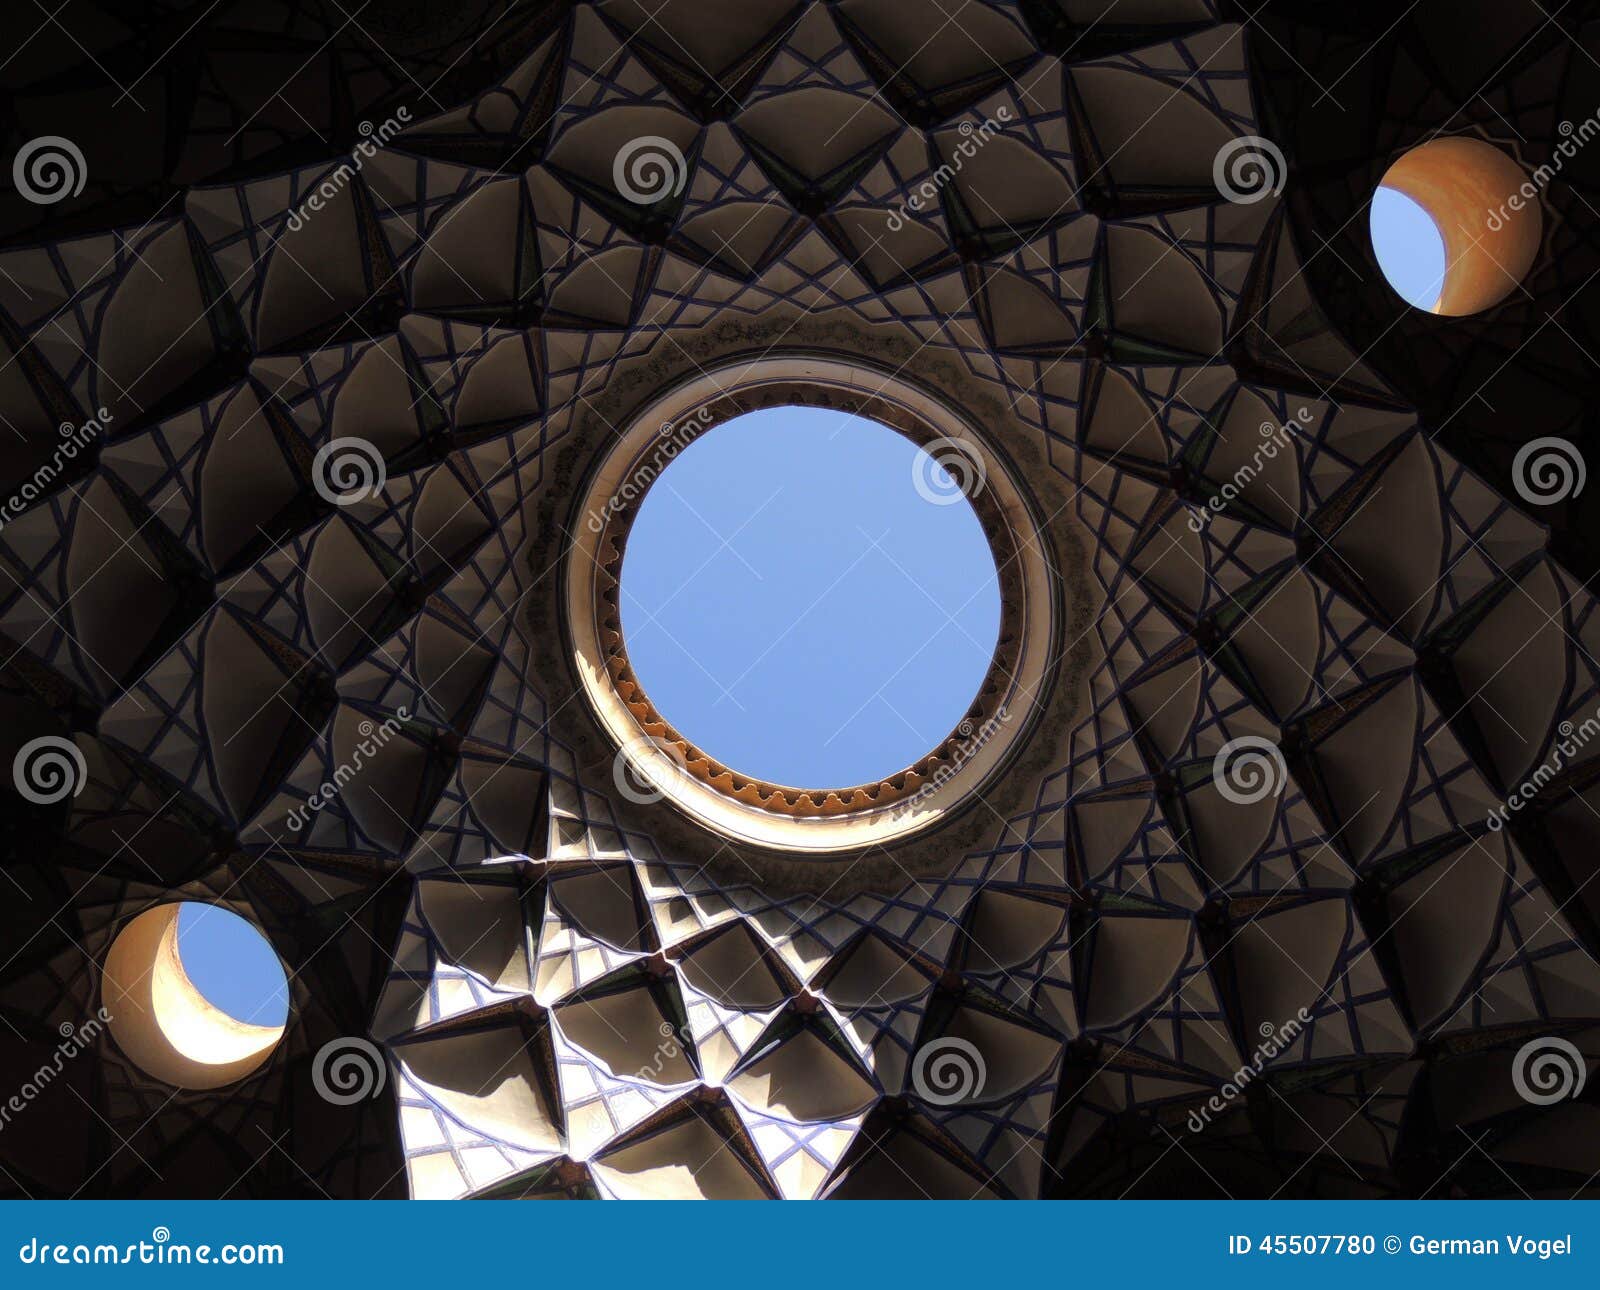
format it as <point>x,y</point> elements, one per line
<point>1455,225</point>
<point>810,598</point>
<point>809,605</point>
<point>195,995</point>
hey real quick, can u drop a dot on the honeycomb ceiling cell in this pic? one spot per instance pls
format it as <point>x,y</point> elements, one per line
<point>303,612</point>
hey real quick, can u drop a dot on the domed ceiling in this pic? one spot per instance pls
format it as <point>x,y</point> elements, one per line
<point>1252,922</point>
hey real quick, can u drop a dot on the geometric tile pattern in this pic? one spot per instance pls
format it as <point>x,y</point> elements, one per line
<point>566,1010</point>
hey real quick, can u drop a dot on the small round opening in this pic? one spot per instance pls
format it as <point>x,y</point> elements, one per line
<point>195,995</point>
<point>232,965</point>
<point>1455,225</point>
<point>1409,247</point>
<point>809,597</point>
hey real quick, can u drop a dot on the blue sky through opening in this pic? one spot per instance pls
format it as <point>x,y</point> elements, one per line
<point>796,607</point>
<point>232,965</point>
<point>1409,247</point>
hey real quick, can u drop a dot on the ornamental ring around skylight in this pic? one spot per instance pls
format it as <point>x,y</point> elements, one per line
<point>654,763</point>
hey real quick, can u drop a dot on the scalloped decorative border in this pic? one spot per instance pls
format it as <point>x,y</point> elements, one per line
<point>785,799</point>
